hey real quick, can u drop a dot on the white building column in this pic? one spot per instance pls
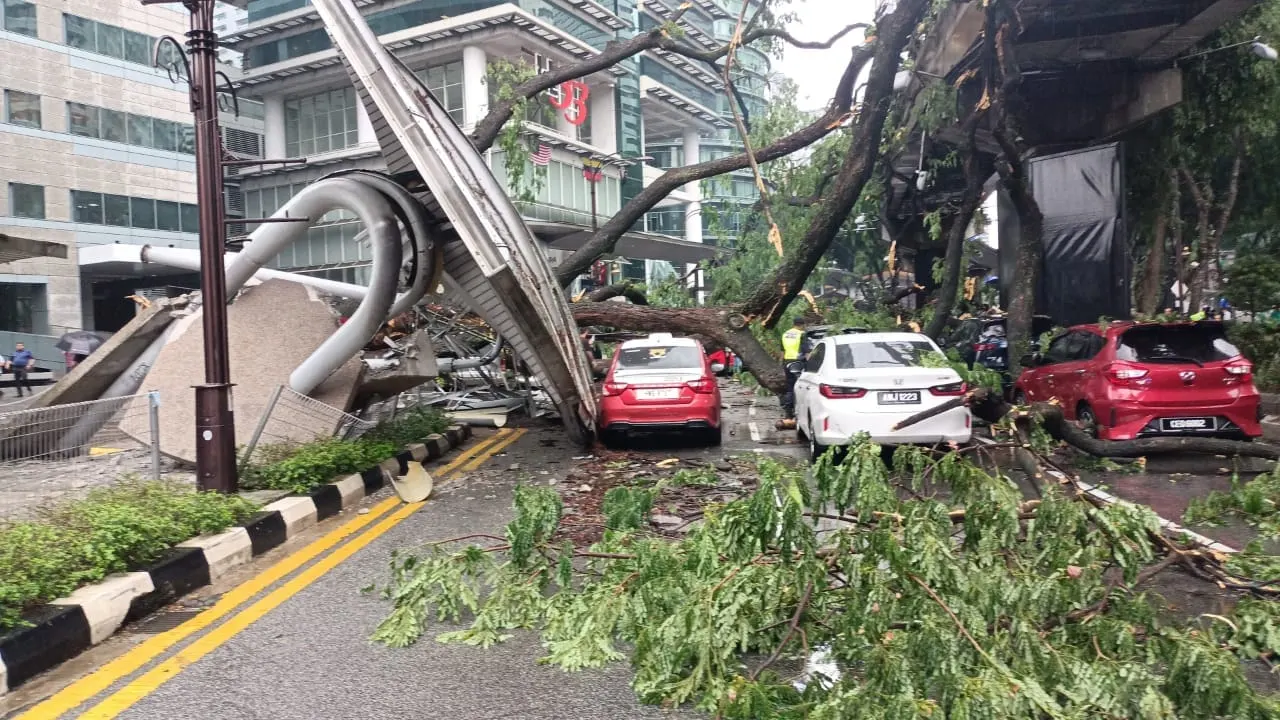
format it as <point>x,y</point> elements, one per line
<point>475,88</point>
<point>693,212</point>
<point>604,117</point>
<point>364,126</point>
<point>273,146</point>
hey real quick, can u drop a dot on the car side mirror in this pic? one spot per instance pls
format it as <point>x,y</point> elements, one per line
<point>1030,360</point>
<point>717,367</point>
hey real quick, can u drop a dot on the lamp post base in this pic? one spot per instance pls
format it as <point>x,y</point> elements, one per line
<point>215,439</point>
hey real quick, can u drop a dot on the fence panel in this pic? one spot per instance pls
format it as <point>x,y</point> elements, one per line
<point>48,453</point>
<point>292,418</point>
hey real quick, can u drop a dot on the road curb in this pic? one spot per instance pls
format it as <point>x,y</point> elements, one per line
<point>68,626</point>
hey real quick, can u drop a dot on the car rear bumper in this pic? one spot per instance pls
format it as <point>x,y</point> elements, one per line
<point>634,427</point>
<point>1128,421</point>
<point>703,412</point>
<point>954,425</point>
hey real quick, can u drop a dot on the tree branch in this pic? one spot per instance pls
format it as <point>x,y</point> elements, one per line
<point>969,205</point>
<point>773,296</point>
<point>606,238</point>
<point>626,289</point>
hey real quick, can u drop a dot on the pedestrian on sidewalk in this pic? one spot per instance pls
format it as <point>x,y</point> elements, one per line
<point>20,363</point>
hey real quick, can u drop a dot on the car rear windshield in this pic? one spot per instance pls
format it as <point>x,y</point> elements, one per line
<point>882,353</point>
<point>1175,344</point>
<point>660,357</point>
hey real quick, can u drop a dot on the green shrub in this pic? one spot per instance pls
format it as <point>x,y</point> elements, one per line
<point>1260,342</point>
<point>303,468</point>
<point>111,530</point>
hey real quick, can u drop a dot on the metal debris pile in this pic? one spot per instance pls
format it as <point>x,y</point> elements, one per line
<point>479,382</point>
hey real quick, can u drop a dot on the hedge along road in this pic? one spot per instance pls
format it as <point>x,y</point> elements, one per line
<point>331,550</point>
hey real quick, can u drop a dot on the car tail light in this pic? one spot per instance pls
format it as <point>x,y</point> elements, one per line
<point>953,389</point>
<point>840,392</point>
<point>1128,376</point>
<point>613,389</point>
<point>984,347</point>
<point>705,386</point>
<point>1239,369</point>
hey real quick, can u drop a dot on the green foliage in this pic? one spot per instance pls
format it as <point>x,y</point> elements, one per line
<point>524,180</point>
<point>303,468</point>
<point>1260,342</point>
<point>1257,502</point>
<point>114,529</point>
<point>1253,282</point>
<point>923,620</point>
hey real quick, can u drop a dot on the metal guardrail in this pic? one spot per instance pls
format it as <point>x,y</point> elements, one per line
<point>50,452</point>
<point>291,418</point>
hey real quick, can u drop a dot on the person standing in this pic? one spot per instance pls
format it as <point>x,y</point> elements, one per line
<point>21,363</point>
<point>793,352</point>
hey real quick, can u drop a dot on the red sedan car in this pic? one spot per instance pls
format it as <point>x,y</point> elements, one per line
<point>660,383</point>
<point>1133,380</point>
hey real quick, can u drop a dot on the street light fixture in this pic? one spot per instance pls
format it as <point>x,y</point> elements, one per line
<point>1259,48</point>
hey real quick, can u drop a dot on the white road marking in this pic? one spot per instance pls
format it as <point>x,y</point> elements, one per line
<point>755,432</point>
<point>1108,498</point>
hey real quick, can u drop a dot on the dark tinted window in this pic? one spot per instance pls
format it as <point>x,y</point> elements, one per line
<point>814,363</point>
<point>883,353</point>
<point>659,357</point>
<point>1175,343</point>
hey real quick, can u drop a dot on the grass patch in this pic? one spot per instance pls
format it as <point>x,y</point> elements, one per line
<point>112,530</point>
<point>302,468</point>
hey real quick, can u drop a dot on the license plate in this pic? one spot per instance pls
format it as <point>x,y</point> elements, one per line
<point>1186,424</point>
<point>901,397</point>
<point>658,394</point>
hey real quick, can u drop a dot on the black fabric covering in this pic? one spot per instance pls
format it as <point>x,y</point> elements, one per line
<point>1086,271</point>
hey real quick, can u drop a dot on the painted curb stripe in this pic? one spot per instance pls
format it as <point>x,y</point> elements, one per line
<point>85,689</point>
<point>61,632</point>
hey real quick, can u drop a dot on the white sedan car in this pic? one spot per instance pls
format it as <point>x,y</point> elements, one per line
<point>867,383</point>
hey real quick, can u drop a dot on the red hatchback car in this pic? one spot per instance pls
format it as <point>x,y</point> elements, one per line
<point>1133,380</point>
<point>660,383</point>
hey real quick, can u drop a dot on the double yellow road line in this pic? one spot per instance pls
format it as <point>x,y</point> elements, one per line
<point>105,677</point>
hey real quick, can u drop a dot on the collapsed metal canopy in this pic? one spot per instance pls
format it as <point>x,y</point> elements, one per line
<point>492,261</point>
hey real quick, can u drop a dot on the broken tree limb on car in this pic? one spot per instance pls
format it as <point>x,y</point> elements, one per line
<point>989,406</point>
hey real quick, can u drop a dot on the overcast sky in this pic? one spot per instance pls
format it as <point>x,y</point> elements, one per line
<point>818,71</point>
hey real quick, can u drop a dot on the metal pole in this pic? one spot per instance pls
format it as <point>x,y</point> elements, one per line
<point>262,425</point>
<point>153,416</point>
<point>215,421</point>
<point>595,221</point>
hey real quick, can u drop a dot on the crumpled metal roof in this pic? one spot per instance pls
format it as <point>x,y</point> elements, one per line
<point>493,263</point>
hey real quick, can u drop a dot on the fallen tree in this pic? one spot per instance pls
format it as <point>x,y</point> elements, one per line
<point>933,590</point>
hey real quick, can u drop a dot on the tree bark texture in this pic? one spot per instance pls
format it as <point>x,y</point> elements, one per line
<point>1153,273</point>
<point>954,269</point>
<point>1202,197</point>
<point>772,297</point>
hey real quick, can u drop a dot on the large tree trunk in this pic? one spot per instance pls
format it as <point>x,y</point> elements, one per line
<point>1153,274</point>
<point>1225,209</point>
<point>724,326</point>
<point>955,244</point>
<point>1203,199</point>
<point>773,295</point>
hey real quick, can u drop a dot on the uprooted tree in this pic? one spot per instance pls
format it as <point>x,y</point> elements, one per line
<point>848,141</point>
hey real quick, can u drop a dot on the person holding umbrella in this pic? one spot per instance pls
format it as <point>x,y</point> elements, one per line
<point>78,345</point>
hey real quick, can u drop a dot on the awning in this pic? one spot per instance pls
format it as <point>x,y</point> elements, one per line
<point>16,248</point>
<point>639,245</point>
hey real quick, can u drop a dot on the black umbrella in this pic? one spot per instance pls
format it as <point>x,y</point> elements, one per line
<point>80,342</point>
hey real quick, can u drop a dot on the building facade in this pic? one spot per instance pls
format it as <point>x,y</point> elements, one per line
<point>651,112</point>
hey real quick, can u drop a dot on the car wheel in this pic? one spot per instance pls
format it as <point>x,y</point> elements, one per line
<point>613,439</point>
<point>816,449</point>
<point>715,436</point>
<point>1087,420</point>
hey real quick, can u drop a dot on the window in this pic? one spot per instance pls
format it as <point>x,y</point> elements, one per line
<point>882,353</point>
<point>22,108</point>
<point>82,120</point>
<point>19,17</point>
<point>24,308</point>
<point>26,201</point>
<point>1194,344</point>
<point>116,210</point>
<point>137,48</point>
<point>142,213</point>
<point>165,135</point>
<point>110,40</point>
<point>1066,348</point>
<point>168,216</point>
<point>140,131</point>
<point>113,125</point>
<point>78,32</point>
<point>86,207</point>
<point>814,362</point>
<point>658,357</point>
<point>320,123</point>
<point>445,82</point>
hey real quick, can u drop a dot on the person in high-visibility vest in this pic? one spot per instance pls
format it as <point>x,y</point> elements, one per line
<point>794,347</point>
<point>1204,312</point>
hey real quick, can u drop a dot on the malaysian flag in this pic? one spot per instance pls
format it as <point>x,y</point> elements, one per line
<point>542,156</point>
